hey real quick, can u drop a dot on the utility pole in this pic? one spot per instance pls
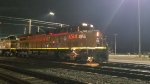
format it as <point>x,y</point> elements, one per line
<point>115,43</point>
<point>139,24</point>
<point>25,30</point>
<point>38,29</point>
<point>29,26</point>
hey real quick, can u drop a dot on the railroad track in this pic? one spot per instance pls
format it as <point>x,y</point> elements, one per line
<point>34,74</point>
<point>12,80</point>
<point>114,69</point>
<point>131,71</point>
<point>128,73</point>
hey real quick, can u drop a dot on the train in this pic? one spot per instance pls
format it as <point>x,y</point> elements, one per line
<point>81,43</point>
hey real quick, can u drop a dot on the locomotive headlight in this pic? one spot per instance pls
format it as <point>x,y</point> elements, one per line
<point>91,26</point>
<point>74,49</point>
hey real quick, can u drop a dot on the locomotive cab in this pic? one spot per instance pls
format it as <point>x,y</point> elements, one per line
<point>82,27</point>
<point>88,43</point>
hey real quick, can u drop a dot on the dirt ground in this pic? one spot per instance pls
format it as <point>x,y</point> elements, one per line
<point>130,58</point>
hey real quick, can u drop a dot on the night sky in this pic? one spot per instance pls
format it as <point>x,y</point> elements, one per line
<point>110,16</point>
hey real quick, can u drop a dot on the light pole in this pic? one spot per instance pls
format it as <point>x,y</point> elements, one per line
<point>115,43</point>
<point>25,30</point>
<point>38,30</point>
<point>139,26</point>
<point>29,26</point>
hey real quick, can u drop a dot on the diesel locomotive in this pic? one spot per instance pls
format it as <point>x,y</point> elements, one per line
<point>82,43</point>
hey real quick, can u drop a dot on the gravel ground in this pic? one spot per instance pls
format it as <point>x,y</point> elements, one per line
<point>90,78</point>
<point>131,58</point>
<point>3,82</point>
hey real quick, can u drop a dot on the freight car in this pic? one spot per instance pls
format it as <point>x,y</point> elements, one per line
<point>80,43</point>
<point>8,45</point>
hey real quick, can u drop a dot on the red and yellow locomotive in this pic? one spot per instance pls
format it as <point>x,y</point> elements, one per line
<point>82,43</point>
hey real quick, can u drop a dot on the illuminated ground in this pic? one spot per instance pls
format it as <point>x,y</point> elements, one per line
<point>144,59</point>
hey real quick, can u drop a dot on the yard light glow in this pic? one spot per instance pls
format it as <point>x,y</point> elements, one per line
<point>84,24</point>
<point>52,13</point>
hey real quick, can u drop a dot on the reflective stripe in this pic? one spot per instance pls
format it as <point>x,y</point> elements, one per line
<point>43,48</point>
<point>13,48</point>
<point>8,48</point>
<point>88,48</point>
<point>73,48</point>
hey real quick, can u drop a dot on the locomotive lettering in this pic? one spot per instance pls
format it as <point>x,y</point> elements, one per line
<point>73,36</point>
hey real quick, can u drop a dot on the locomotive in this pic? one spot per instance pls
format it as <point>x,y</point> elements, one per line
<point>82,43</point>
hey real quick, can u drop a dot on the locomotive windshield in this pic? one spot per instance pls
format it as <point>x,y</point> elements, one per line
<point>82,27</point>
<point>86,26</point>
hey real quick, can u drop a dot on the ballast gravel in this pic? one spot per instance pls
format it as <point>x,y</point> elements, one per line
<point>88,77</point>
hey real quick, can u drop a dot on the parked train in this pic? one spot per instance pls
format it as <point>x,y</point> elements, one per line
<point>82,43</point>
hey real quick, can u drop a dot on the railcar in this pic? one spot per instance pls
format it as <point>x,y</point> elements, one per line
<point>80,43</point>
<point>8,45</point>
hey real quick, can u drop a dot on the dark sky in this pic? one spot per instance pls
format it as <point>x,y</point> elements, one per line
<point>110,16</point>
